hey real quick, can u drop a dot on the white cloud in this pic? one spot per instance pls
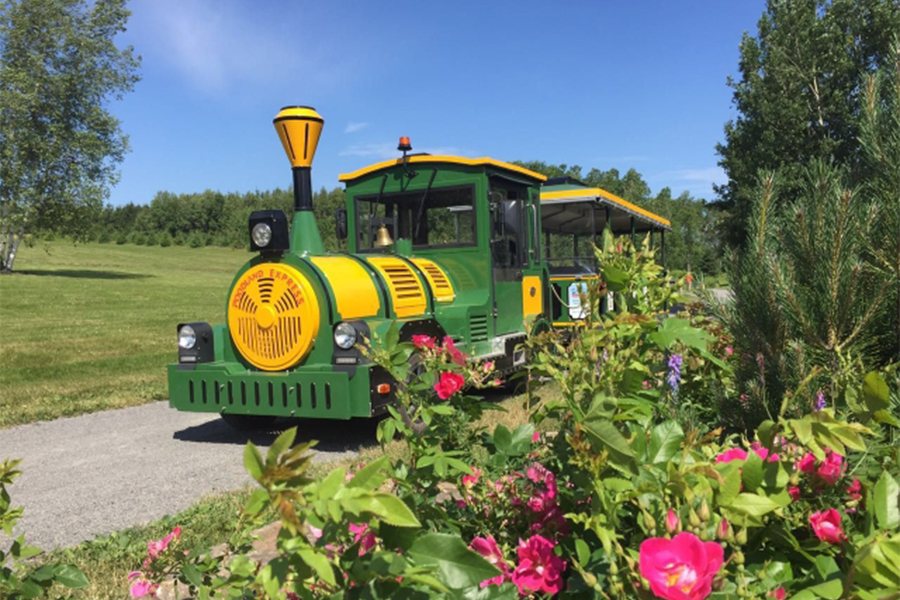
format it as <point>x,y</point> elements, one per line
<point>384,151</point>
<point>354,127</point>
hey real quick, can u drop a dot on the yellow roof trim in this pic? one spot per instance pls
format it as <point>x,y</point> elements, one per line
<point>587,192</point>
<point>431,158</point>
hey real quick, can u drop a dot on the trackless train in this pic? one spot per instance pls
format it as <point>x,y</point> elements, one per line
<point>441,245</point>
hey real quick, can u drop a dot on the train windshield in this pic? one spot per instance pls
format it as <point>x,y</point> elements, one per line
<point>440,217</point>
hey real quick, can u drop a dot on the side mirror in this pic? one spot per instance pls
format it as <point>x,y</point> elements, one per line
<point>340,222</point>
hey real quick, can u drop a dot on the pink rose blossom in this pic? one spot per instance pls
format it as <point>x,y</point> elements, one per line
<point>831,469</point>
<point>672,521</point>
<point>449,384</point>
<point>729,350</point>
<point>470,480</point>
<point>855,490</point>
<point>807,464</point>
<point>763,453</point>
<point>794,491</point>
<point>455,355</point>
<point>487,547</point>
<point>489,366</point>
<point>536,437</point>
<point>539,570</point>
<point>682,568</point>
<point>827,526</point>
<point>778,594</point>
<point>362,536</point>
<point>423,342</point>
<point>732,454</point>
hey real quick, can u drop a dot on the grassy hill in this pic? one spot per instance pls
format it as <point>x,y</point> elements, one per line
<point>90,327</point>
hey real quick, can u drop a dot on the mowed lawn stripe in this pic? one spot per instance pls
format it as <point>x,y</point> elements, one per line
<point>90,327</point>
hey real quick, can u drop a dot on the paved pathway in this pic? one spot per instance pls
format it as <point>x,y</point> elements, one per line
<point>98,473</point>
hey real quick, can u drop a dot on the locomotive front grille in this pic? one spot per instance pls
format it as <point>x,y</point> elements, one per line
<point>273,316</point>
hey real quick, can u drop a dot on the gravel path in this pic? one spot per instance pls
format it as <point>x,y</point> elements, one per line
<point>98,473</point>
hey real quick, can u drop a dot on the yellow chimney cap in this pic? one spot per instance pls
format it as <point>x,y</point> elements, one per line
<point>299,128</point>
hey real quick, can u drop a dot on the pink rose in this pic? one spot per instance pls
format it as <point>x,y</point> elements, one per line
<point>449,384</point>
<point>423,342</point>
<point>807,464</point>
<point>487,547</point>
<point>794,491</point>
<point>539,570</point>
<point>455,355</point>
<point>141,587</point>
<point>536,437</point>
<point>778,594</point>
<point>855,490</point>
<point>470,480</point>
<point>362,536</point>
<point>729,350</point>
<point>763,453</point>
<point>682,568</point>
<point>831,469</point>
<point>730,455</point>
<point>827,526</point>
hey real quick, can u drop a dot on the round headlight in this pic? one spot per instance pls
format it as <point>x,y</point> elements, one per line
<point>344,336</point>
<point>262,234</point>
<point>187,337</point>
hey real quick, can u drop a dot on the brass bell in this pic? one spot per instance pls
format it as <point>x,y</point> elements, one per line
<point>383,238</point>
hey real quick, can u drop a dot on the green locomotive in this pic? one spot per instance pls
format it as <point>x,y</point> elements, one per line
<point>441,245</point>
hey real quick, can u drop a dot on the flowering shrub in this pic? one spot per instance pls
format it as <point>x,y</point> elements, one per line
<point>18,578</point>
<point>628,494</point>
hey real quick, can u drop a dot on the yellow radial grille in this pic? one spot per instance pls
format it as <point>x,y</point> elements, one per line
<point>440,283</point>
<point>273,316</point>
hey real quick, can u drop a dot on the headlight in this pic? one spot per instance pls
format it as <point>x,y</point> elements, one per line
<point>262,234</point>
<point>344,336</point>
<point>187,337</point>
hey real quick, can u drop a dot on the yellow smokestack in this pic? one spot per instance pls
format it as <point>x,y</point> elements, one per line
<point>299,128</point>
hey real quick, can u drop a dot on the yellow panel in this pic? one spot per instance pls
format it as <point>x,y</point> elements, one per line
<point>353,288</point>
<point>299,128</point>
<point>436,158</point>
<point>407,293</point>
<point>273,316</point>
<point>532,296</point>
<point>437,279</point>
<point>587,192</point>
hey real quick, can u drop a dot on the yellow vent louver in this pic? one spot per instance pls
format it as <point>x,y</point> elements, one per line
<point>437,279</point>
<point>407,294</point>
<point>273,316</point>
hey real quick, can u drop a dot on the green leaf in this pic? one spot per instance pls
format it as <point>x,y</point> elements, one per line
<point>754,504</point>
<point>665,441</point>
<point>329,486</point>
<point>253,461</point>
<point>583,552</point>
<point>752,472</point>
<point>885,495</point>
<point>372,475</point>
<point>502,438</point>
<point>728,491</point>
<point>30,589</point>
<point>676,330</point>
<point>457,566</point>
<point>318,563</point>
<point>507,591</point>
<point>766,433</point>
<point>71,577</point>
<point>616,279</point>
<point>257,502</point>
<point>392,337</point>
<point>281,443</point>
<point>876,392</point>
<point>603,433</point>
<point>192,575</point>
<point>389,509</point>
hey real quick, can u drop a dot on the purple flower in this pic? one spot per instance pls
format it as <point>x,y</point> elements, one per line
<point>674,376</point>
<point>820,401</point>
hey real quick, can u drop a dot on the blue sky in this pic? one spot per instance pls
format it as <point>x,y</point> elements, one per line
<point>599,84</point>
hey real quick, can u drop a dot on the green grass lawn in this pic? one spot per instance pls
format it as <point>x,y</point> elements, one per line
<point>91,327</point>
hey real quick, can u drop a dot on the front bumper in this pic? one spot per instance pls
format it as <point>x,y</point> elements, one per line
<point>317,392</point>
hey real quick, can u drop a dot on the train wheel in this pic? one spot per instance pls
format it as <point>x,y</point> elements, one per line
<point>248,422</point>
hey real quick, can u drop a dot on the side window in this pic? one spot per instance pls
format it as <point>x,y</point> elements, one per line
<point>508,236</point>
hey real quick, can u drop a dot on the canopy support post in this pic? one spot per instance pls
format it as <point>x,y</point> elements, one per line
<point>632,231</point>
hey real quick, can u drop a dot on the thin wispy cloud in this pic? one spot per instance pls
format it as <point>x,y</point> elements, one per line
<point>384,151</point>
<point>354,127</point>
<point>220,47</point>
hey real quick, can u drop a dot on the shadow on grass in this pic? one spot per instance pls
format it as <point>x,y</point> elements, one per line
<point>333,436</point>
<point>83,274</point>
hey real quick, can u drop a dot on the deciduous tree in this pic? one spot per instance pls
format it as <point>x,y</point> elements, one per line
<point>59,144</point>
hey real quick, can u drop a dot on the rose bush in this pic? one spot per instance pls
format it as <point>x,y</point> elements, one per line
<point>628,491</point>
